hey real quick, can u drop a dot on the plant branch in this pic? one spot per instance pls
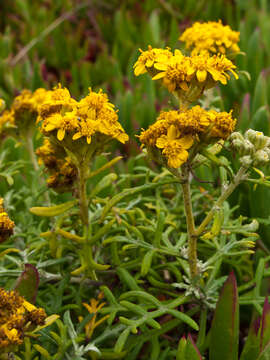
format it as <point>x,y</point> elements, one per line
<point>192,238</point>
<point>239,177</point>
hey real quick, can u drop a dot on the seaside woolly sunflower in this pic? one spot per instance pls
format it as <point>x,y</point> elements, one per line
<point>148,58</point>
<point>74,125</point>
<point>175,132</point>
<point>189,76</point>
<point>211,37</point>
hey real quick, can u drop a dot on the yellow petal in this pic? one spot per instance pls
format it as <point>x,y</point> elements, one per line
<point>49,127</point>
<point>201,75</point>
<point>76,136</point>
<point>186,142</point>
<point>149,63</point>
<point>159,76</point>
<point>88,140</point>
<point>61,134</point>
<point>161,142</point>
<point>161,66</point>
<point>139,70</point>
<point>172,133</point>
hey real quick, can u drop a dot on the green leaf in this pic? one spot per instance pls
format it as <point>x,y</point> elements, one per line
<point>27,283</point>
<point>180,355</point>
<point>191,350</point>
<point>265,355</point>
<point>120,343</point>
<point>105,182</point>
<point>252,345</point>
<point>146,262</point>
<point>260,94</point>
<point>225,325</point>
<point>53,210</point>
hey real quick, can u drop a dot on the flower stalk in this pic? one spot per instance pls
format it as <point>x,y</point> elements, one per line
<point>239,177</point>
<point>192,237</point>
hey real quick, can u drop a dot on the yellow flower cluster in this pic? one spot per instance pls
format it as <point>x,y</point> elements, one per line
<point>17,316</point>
<point>6,225</point>
<point>22,115</point>
<point>174,132</point>
<point>147,60</point>
<point>66,119</point>
<point>211,37</point>
<point>62,172</point>
<point>186,75</point>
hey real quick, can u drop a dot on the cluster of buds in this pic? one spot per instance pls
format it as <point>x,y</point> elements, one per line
<point>253,147</point>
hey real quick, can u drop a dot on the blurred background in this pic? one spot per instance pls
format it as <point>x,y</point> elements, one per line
<point>95,43</point>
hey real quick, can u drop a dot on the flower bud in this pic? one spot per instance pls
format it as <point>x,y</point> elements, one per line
<point>238,145</point>
<point>267,150</point>
<point>257,138</point>
<point>236,136</point>
<point>249,148</point>
<point>246,160</point>
<point>260,158</point>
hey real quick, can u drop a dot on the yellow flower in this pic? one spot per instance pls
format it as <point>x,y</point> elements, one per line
<point>175,147</point>
<point>192,121</point>
<point>219,66</point>
<point>63,116</point>
<point>148,58</point>
<point>211,37</point>
<point>6,225</point>
<point>188,76</point>
<point>176,72</point>
<point>223,124</point>
<point>175,131</point>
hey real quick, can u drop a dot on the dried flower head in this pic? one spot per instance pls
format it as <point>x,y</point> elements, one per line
<point>63,173</point>
<point>6,225</point>
<point>17,316</point>
<point>211,37</point>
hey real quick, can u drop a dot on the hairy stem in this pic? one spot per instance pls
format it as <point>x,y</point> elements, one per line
<point>83,202</point>
<point>192,238</point>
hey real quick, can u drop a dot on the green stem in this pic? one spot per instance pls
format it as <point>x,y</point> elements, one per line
<point>83,202</point>
<point>239,177</point>
<point>192,238</point>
